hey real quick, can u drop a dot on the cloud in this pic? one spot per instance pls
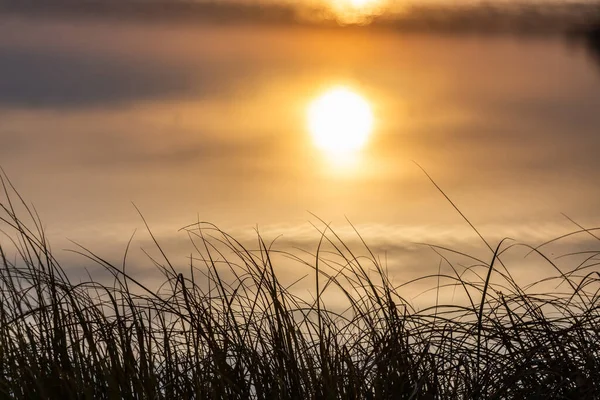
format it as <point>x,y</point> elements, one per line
<point>392,245</point>
<point>54,79</point>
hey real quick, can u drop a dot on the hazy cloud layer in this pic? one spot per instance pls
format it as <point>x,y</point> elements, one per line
<point>39,78</point>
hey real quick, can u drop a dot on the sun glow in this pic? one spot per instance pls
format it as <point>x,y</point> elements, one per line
<point>340,121</point>
<point>356,11</point>
<point>360,3</point>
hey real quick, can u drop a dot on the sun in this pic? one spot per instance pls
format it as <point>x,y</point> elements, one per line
<point>340,121</point>
<point>360,3</point>
<point>355,3</point>
<point>356,11</point>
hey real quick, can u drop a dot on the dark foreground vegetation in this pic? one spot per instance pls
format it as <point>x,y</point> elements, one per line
<point>225,327</point>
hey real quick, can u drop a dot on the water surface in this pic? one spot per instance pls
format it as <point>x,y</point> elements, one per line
<point>209,122</point>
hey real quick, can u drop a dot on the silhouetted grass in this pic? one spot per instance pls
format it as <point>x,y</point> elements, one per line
<point>228,328</point>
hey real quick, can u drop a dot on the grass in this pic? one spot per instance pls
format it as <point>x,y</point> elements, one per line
<point>226,327</point>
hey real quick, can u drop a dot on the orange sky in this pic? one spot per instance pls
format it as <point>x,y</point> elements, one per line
<point>210,122</point>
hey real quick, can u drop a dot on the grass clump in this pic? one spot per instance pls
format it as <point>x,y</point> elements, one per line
<point>226,327</point>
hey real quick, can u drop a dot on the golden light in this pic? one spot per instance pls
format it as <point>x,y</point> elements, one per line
<point>360,3</point>
<point>340,121</point>
<point>356,11</point>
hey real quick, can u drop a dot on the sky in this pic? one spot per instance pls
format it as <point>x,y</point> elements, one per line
<point>209,122</point>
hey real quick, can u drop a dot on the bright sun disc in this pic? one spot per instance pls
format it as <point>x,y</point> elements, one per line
<point>360,3</point>
<point>340,121</point>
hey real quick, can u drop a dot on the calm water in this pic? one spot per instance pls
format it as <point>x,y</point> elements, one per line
<point>209,122</point>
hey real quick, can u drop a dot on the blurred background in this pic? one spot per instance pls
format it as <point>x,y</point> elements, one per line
<point>199,111</point>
